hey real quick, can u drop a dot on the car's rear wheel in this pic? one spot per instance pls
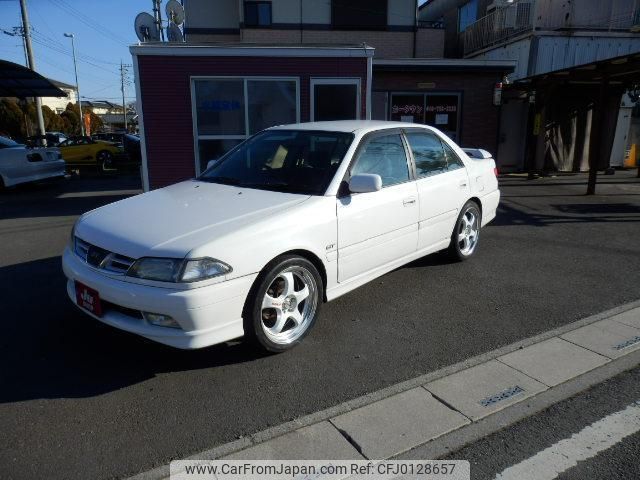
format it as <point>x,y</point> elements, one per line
<point>284,303</point>
<point>104,159</point>
<point>466,233</point>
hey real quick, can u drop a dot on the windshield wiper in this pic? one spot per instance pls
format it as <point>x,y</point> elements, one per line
<point>278,187</point>
<point>222,180</point>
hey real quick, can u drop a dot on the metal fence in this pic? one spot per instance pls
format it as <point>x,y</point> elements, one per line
<point>521,16</point>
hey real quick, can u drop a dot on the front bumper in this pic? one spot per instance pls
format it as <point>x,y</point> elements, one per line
<point>207,315</point>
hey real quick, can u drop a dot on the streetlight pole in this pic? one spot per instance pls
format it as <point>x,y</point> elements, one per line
<point>75,67</point>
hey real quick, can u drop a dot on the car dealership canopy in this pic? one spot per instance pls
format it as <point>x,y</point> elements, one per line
<point>19,81</point>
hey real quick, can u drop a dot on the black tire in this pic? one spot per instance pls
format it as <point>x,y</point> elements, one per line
<point>257,320</point>
<point>104,160</point>
<point>457,251</point>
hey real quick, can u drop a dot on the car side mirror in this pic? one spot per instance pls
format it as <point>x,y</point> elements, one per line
<point>365,183</point>
<point>211,163</point>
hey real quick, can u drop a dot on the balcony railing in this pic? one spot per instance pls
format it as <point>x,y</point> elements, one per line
<point>501,24</point>
<point>514,19</point>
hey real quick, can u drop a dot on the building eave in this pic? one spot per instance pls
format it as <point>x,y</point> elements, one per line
<point>251,50</point>
<point>443,64</point>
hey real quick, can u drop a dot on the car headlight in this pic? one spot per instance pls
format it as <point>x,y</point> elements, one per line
<point>159,269</point>
<point>178,270</point>
<point>202,268</point>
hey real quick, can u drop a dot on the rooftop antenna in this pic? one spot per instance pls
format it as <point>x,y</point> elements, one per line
<point>174,34</point>
<point>146,28</point>
<point>175,12</point>
<point>175,15</point>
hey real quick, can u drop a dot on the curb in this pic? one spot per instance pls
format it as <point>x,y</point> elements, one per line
<point>353,418</point>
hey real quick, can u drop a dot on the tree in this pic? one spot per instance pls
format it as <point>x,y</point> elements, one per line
<point>12,119</point>
<point>72,116</point>
<point>52,121</point>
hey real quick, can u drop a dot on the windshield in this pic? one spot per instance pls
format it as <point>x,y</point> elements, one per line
<point>295,161</point>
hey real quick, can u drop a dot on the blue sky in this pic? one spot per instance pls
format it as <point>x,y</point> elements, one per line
<point>103,29</point>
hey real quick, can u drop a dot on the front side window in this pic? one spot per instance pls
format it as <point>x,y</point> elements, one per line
<point>293,161</point>
<point>384,156</point>
<point>428,153</point>
<point>335,99</point>
<point>257,14</point>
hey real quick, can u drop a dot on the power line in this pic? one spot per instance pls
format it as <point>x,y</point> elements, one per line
<point>91,23</point>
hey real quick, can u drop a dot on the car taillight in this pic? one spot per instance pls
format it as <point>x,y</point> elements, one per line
<point>495,171</point>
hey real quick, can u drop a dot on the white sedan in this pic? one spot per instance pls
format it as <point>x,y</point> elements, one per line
<point>292,217</point>
<point>20,164</point>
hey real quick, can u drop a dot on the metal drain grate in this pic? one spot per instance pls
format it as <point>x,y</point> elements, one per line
<point>499,397</point>
<point>628,343</point>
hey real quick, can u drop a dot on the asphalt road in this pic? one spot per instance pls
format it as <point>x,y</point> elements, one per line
<point>521,441</point>
<point>81,400</point>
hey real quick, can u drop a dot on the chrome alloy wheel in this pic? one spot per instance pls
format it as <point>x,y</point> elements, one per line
<point>468,232</point>
<point>289,305</point>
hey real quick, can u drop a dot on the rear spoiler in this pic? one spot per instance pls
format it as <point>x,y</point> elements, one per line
<point>477,153</point>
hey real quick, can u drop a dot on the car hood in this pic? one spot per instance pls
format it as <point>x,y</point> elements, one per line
<point>174,220</point>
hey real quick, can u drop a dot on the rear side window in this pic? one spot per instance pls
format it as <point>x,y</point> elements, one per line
<point>428,153</point>
<point>453,160</point>
<point>385,156</point>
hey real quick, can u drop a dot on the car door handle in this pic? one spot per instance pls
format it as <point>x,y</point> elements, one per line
<point>409,201</point>
<point>463,183</point>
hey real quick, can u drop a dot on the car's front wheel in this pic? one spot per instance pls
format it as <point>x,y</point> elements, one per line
<point>466,233</point>
<point>284,303</point>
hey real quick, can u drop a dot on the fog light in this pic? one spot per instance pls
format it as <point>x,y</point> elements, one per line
<point>160,320</point>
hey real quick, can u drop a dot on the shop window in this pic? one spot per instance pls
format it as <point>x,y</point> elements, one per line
<point>213,149</point>
<point>257,14</point>
<point>220,107</point>
<point>439,110</point>
<point>271,103</point>
<point>359,14</point>
<point>335,99</point>
<point>229,110</point>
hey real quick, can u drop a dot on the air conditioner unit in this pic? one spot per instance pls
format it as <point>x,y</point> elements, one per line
<point>518,14</point>
<point>498,4</point>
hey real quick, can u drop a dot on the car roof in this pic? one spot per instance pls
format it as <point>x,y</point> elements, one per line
<point>351,126</point>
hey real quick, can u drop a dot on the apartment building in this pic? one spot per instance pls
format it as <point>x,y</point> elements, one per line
<point>544,37</point>
<point>59,104</point>
<point>388,26</point>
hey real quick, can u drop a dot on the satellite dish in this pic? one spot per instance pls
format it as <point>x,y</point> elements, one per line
<point>175,12</point>
<point>174,34</point>
<point>146,28</point>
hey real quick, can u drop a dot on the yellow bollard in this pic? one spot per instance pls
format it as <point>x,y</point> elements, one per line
<point>630,158</point>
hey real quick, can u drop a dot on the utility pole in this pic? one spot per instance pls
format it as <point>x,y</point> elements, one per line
<point>123,71</point>
<point>32,65</point>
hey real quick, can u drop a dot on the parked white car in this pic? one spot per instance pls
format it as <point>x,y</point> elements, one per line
<point>20,164</point>
<point>294,216</point>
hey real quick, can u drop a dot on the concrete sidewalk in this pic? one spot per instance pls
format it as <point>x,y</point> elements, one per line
<point>442,411</point>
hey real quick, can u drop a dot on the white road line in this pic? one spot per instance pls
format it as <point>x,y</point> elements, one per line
<point>597,437</point>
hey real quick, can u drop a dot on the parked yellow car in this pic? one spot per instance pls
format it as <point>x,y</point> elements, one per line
<point>86,152</point>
